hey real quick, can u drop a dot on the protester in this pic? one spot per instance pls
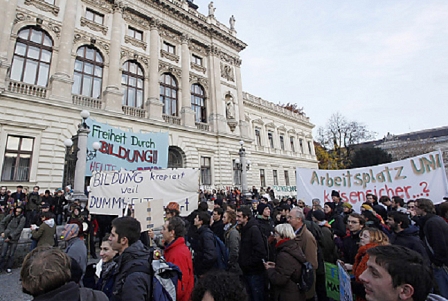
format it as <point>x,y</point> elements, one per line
<point>336,198</point>
<point>203,245</point>
<point>10,230</point>
<point>396,273</point>
<point>45,233</point>
<point>335,219</point>
<point>75,247</point>
<point>106,268</point>
<point>217,226</point>
<point>232,240</point>
<point>285,273</point>
<point>369,238</point>
<point>45,275</point>
<point>177,252</point>
<point>252,253</point>
<point>32,205</point>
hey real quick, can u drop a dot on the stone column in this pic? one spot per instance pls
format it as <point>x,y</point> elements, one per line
<point>61,81</point>
<point>80,169</point>
<point>186,112</point>
<point>217,118</point>
<point>7,15</point>
<point>244,125</point>
<point>153,105</point>
<point>113,95</point>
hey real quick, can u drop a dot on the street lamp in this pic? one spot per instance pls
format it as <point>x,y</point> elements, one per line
<point>81,154</point>
<point>243,166</point>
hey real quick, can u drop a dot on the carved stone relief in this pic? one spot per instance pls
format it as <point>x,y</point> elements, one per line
<point>94,26</point>
<point>167,34</point>
<point>136,20</point>
<point>135,42</point>
<point>91,40</point>
<point>166,67</point>
<point>102,5</point>
<point>170,56</point>
<point>199,79</point>
<point>42,5</point>
<point>125,53</point>
<point>198,67</point>
<point>227,72</point>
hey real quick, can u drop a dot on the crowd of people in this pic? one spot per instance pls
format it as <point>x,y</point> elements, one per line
<point>245,248</point>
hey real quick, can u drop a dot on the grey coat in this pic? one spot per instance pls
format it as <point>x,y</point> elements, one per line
<point>232,242</point>
<point>77,250</point>
<point>12,226</point>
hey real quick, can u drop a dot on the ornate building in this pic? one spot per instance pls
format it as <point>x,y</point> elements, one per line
<point>140,65</point>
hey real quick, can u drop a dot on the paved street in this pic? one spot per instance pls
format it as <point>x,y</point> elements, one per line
<point>10,288</point>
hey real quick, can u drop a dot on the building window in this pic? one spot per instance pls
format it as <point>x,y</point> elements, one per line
<point>258,137</point>
<point>291,141</point>
<point>236,174</point>
<point>88,74</point>
<point>169,48</point>
<point>206,174</point>
<point>282,143</point>
<point>32,57</point>
<point>286,178</point>
<point>17,162</point>
<point>132,79</point>
<point>275,175</point>
<point>262,178</point>
<point>196,59</point>
<point>94,16</point>
<point>198,102</point>
<point>309,148</point>
<point>168,94</point>
<point>135,33</point>
<point>301,145</point>
<point>271,140</point>
<point>49,1</point>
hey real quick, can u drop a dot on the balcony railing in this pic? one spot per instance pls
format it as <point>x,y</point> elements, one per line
<point>27,89</point>
<point>133,111</point>
<point>203,126</point>
<point>87,101</point>
<point>171,119</point>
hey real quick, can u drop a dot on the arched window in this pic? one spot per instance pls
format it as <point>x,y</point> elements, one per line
<point>198,102</point>
<point>132,84</point>
<point>88,75</point>
<point>32,57</point>
<point>168,94</point>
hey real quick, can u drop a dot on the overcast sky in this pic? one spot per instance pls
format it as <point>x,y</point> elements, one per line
<point>380,62</point>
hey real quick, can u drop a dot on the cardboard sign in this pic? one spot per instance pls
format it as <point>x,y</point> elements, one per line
<point>150,214</point>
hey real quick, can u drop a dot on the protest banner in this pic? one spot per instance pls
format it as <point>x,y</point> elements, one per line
<point>332,281</point>
<point>150,214</point>
<point>120,149</point>
<point>284,190</point>
<point>345,286</point>
<point>112,191</point>
<point>420,176</point>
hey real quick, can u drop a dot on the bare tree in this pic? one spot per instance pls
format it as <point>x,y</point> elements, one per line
<point>340,134</point>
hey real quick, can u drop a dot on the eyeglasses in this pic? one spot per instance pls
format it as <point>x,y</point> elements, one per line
<point>352,222</point>
<point>411,207</point>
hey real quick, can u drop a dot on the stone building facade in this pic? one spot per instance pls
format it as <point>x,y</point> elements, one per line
<point>143,66</point>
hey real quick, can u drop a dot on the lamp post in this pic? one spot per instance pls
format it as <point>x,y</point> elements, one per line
<point>243,165</point>
<point>82,154</point>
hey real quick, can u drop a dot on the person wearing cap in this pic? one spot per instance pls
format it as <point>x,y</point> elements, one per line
<point>75,247</point>
<point>254,207</point>
<point>32,205</point>
<point>336,197</point>
<point>266,225</point>
<point>334,219</point>
<point>347,209</point>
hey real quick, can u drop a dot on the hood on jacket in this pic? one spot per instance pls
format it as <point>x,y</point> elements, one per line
<point>50,222</point>
<point>434,297</point>
<point>292,247</point>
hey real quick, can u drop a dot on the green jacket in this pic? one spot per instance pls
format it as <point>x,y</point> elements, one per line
<point>45,234</point>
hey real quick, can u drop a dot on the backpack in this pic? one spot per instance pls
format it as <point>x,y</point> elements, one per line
<point>222,254</point>
<point>306,280</point>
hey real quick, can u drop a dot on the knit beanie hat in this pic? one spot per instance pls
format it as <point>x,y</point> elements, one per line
<point>261,207</point>
<point>319,215</point>
<point>347,205</point>
<point>331,205</point>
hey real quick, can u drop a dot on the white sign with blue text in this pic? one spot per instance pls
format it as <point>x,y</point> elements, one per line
<point>120,149</point>
<point>112,191</point>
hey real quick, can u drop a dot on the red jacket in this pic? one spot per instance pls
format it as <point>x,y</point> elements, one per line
<point>178,253</point>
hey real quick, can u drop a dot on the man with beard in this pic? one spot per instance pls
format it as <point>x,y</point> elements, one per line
<point>404,234</point>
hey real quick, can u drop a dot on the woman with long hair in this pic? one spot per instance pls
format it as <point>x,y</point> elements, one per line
<point>369,238</point>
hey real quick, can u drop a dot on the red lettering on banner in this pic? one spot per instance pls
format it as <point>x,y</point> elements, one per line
<point>149,156</point>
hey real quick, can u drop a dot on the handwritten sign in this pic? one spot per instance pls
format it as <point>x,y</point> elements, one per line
<point>332,281</point>
<point>421,176</point>
<point>345,287</point>
<point>112,191</point>
<point>149,214</point>
<point>128,150</point>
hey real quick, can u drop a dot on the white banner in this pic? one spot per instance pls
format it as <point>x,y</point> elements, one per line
<point>418,177</point>
<point>112,191</point>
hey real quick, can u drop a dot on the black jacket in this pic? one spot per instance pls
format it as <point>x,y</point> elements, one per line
<point>72,292</point>
<point>434,233</point>
<point>204,251</point>
<point>218,229</point>
<point>252,250</point>
<point>133,274</point>
<point>350,245</point>
<point>409,238</point>
<point>337,225</point>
